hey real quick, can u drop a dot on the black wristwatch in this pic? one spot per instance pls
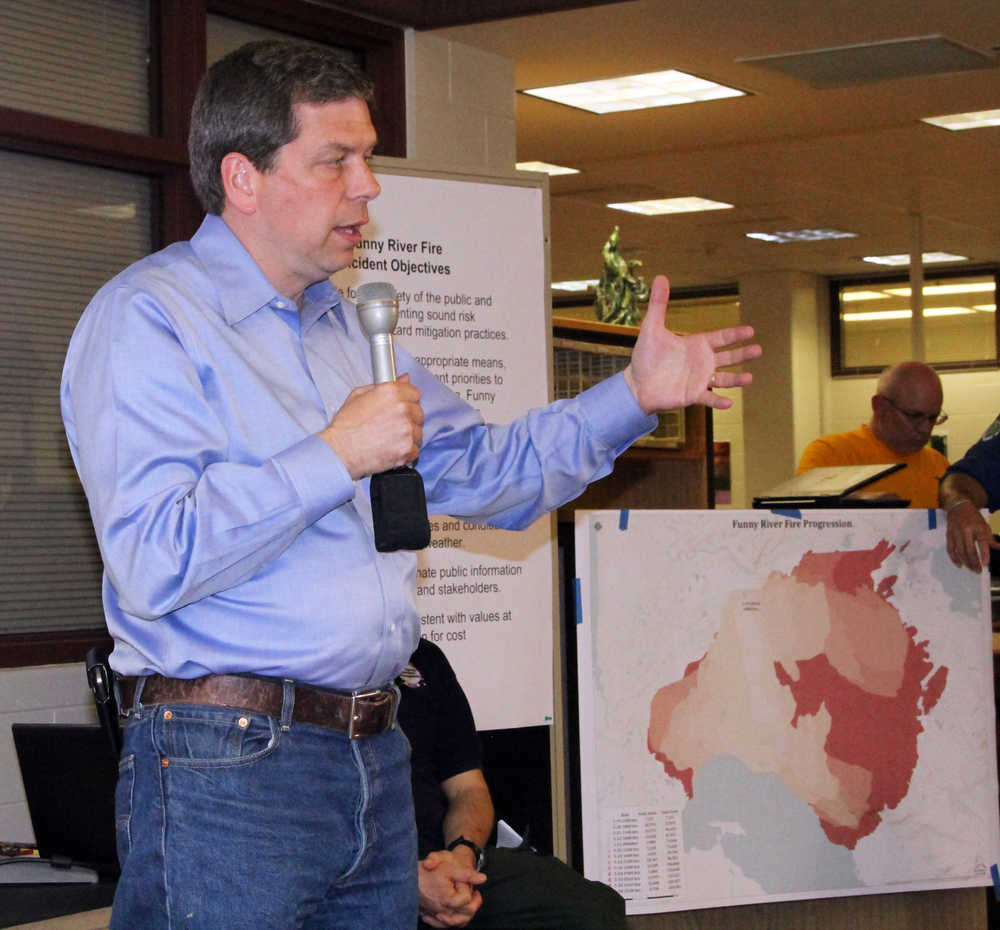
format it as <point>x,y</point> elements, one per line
<point>462,841</point>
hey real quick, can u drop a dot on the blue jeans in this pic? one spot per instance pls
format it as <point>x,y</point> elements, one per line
<point>228,821</point>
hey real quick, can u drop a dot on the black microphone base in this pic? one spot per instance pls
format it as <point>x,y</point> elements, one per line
<point>399,510</point>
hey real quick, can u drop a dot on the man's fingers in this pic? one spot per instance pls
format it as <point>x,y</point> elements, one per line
<point>729,336</point>
<point>725,379</point>
<point>737,355</point>
<point>717,401</point>
<point>984,543</point>
<point>659,296</point>
<point>431,861</point>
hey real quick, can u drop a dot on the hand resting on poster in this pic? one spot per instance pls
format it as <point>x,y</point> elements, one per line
<point>668,371</point>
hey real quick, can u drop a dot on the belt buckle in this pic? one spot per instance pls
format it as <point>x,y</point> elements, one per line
<point>389,694</point>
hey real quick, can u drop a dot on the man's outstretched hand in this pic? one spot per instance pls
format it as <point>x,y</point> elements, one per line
<point>668,371</point>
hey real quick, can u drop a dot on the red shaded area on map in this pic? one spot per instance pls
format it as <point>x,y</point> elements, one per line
<point>876,733</point>
<point>860,689</point>
<point>843,571</point>
<point>664,702</point>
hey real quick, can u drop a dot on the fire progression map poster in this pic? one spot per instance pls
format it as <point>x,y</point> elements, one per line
<point>782,705</point>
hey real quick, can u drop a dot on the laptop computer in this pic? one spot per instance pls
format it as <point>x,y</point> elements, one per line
<point>830,486</point>
<point>69,776</point>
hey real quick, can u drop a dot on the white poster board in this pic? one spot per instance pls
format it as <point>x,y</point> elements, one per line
<point>468,258</point>
<point>778,706</point>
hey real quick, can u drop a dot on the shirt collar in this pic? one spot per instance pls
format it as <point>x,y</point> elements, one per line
<point>319,298</point>
<point>241,286</point>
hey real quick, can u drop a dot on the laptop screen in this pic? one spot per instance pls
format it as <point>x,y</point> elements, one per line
<point>69,776</point>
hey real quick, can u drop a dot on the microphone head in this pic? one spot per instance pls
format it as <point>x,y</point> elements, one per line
<point>378,308</point>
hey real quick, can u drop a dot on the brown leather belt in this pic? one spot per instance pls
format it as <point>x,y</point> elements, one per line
<point>362,713</point>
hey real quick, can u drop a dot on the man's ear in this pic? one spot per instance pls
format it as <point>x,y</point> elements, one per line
<point>238,176</point>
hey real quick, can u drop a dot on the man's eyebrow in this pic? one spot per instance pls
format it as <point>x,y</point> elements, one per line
<point>338,148</point>
<point>343,148</point>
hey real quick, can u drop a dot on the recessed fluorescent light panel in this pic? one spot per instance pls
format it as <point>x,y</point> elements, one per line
<point>671,205</point>
<point>935,290</point>
<point>636,92</point>
<point>979,119</point>
<point>801,235</point>
<point>575,285</point>
<point>846,296</point>
<point>873,315</point>
<point>544,167</point>
<point>870,316</point>
<point>929,258</point>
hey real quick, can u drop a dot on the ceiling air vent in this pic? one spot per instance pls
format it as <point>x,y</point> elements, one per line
<point>876,61</point>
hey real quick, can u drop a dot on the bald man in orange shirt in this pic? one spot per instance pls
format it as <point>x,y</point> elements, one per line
<point>906,406</point>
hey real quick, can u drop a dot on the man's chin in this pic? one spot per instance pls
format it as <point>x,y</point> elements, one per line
<point>338,261</point>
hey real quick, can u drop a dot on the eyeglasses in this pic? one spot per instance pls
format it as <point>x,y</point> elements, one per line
<point>916,417</point>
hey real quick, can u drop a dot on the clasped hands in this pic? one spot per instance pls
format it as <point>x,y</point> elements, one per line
<point>448,893</point>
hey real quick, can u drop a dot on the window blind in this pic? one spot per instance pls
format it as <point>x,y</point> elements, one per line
<point>65,229</point>
<point>83,60</point>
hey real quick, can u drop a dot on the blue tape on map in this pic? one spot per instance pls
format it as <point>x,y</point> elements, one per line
<point>931,518</point>
<point>995,873</point>
<point>623,520</point>
<point>579,601</point>
<point>793,514</point>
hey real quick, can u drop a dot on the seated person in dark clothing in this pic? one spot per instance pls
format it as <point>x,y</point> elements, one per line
<point>461,885</point>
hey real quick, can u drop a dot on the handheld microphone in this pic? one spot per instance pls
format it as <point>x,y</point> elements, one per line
<point>399,505</point>
<point>378,310</point>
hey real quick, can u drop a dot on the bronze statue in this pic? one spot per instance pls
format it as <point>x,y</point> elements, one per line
<point>620,290</point>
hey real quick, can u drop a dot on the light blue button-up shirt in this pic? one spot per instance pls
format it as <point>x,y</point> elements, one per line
<point>233,538</point>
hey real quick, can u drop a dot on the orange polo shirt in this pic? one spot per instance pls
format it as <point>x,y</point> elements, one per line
<point>917,483</point>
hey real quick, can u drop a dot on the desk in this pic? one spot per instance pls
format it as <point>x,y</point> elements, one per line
<point>89,920</point>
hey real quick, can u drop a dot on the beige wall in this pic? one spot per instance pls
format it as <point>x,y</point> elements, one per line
<point>781,408</point>
<point>459,106</point>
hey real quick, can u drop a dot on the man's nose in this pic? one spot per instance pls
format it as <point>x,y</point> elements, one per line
<point>365,186</point>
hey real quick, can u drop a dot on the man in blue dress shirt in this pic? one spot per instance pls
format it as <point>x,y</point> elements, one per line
<point>219,406</point>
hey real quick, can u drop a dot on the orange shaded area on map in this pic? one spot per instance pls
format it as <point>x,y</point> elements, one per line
<point>815,678</point>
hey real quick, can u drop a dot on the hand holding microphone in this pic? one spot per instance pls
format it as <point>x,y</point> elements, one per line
<point>399,505</point>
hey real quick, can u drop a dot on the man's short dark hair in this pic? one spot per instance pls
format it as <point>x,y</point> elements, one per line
<point>246,103</point>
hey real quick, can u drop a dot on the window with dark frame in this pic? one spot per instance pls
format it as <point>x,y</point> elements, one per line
<point>93,175</point>
<point>872,326</point>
